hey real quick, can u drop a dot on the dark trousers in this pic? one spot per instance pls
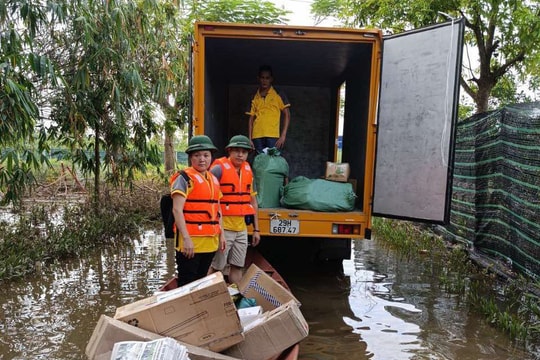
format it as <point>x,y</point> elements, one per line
<point>192,269</point>
<point>264,142</point>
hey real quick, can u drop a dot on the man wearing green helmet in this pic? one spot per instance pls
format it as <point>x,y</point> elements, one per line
<point>238,206</point>
<point>197,219</point>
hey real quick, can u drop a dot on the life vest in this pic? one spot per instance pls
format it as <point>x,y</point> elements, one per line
<point>201,211</point>
<point>236,188</point>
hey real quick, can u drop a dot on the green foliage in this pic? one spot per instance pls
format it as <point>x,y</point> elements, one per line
<point>98,71</point>
<point>17,172</point>
<point>44,234</point>
<point>465,111</point>
<point>504,34</point>
<point>21,71</point>
<point>407,238</point>
<point>237,11</point>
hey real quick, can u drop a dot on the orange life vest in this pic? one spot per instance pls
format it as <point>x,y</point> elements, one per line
<point>236,188</point>
<point>201,211</point>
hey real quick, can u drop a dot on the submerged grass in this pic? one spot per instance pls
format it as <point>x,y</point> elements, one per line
<point>60,229</point>
<point>510,304</point>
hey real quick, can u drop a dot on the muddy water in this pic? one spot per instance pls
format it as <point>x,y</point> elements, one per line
<point>52,315</point>
<point>374,307</point>
<point>379,306</point>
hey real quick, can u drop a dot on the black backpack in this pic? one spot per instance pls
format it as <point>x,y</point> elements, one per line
<point>166,205</point>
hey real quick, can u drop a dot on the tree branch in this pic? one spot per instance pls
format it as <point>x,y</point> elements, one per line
<point>467,88</point>
<point>511,62</point>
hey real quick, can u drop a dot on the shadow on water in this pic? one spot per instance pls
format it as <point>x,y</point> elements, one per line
<point>375,306</point>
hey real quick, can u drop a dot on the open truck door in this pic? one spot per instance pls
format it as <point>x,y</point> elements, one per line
<point>418,101</point>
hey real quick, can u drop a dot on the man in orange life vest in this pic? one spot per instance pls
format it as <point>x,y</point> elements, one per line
<point>238,206</point>
<point>195,193</point>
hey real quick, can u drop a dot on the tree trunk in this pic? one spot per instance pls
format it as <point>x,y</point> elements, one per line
<point>482,98</point>
<point>97,166</point>
<point>481,101</point>
<point>169,153</point>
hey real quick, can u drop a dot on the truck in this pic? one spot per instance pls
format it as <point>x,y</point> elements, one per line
<point>389,102</point>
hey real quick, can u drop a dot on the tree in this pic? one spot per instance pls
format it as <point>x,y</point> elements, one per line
<point>100,70</point>
<point>505,35</point>
<point>103,112</point>
<point>22,69</point>
<point>177,56</point>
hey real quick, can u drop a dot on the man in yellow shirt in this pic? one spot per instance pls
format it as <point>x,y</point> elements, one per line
<point>267,107</point>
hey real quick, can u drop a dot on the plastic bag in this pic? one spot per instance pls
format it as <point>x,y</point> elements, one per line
<point>318,195</point>
<point>270,171</point>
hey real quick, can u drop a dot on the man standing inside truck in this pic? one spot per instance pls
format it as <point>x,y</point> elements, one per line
<point>267,106</point>
<point>195,194</point>
<point>238,206</point>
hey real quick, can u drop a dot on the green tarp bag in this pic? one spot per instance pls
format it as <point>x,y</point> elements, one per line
<point>270,171</point>
<point>318,195</point>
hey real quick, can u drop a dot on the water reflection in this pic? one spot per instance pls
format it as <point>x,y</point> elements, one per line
<point>387,308</point>
<point>377,306</point>
<point>386,336</point>
<point>53,314</point>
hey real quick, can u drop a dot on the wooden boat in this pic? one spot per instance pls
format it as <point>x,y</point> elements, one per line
<point>254,257</point>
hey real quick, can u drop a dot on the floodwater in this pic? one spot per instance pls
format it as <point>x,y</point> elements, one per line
<point>376,306</point>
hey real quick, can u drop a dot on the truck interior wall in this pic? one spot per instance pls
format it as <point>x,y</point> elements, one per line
<point>333,123</point>
<point>215,111</point>
<point>355,126</point>
<point>308,142</point>
<point>310,74</point>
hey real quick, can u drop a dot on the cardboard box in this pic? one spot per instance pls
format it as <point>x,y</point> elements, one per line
<point>267,292</point>
<point>268,336</point>
<point>281,325</point>
<point>200,313</point>
<point>109,331</point>
<point>337,171</point>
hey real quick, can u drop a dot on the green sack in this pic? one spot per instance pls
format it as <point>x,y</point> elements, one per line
<point>318,195</point>
<point>270,171</point>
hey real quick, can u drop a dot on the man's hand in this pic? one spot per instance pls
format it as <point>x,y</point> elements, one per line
<point>222,242</point>
<point>280,142</point>
<point>188,250</point>
<point>255,238</point>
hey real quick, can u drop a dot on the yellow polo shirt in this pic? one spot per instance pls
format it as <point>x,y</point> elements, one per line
<point>267,112</point>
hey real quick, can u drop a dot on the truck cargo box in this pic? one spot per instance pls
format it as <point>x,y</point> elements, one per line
<point>389,102</point>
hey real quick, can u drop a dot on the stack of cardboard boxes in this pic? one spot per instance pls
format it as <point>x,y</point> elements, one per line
<point>203,317</point>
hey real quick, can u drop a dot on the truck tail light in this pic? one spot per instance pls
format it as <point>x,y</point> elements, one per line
<point>344,229</point>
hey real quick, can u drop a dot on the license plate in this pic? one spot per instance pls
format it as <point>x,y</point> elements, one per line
<point>284,226</point>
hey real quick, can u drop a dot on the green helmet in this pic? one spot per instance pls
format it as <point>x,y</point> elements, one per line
<point>239,141</point>
<point>200,142</point>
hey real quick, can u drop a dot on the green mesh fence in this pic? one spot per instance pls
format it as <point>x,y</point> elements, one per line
<point>496,186</point>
